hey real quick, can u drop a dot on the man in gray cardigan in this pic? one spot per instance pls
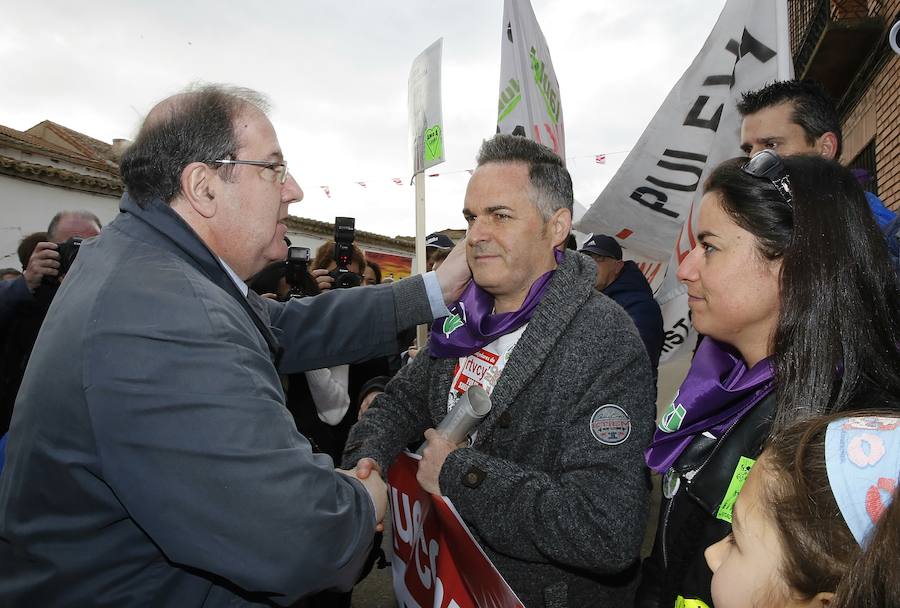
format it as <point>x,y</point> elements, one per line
<point>151,460</point>
<point>553,485</point>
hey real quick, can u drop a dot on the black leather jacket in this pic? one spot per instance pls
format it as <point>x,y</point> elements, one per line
<point>693,491</point>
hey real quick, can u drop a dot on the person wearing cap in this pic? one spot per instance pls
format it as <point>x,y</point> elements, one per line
<point>437,248</point>
<point>626,285</point>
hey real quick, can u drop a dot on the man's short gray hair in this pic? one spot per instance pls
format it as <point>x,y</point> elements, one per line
<point>551,184</point>
<point>197,125</point>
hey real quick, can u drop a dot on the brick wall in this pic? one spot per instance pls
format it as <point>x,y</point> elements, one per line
<point>882,98</point>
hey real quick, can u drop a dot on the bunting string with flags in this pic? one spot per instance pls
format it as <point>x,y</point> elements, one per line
<point>598,159</point>
<point>652,201</point>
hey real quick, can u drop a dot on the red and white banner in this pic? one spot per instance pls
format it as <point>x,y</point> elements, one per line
<point>651,204</point>
<point>437,563</point>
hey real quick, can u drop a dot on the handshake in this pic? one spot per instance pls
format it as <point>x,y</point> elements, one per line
<point>369,473</point>
<point>374,485</point>
<point>450,435</point>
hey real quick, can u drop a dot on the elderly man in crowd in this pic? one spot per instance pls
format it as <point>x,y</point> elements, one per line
<point>553,486</point>
<point>151,460</point>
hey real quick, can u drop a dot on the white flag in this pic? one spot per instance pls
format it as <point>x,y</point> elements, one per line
<point>529,103</point>
<point>426,122</point>
<point>651,203</point>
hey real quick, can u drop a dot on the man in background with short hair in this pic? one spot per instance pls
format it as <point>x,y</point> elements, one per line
<point>798,117</point>
<point>628,287</point>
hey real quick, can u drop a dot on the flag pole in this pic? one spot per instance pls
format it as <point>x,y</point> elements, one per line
<point>421,262</point>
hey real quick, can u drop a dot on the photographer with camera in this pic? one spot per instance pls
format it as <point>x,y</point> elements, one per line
<point>28,298</point>
<point>334,391</point>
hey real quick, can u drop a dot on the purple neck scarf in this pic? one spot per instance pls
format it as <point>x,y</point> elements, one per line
<point>717,392</point>
<point>472,326</point>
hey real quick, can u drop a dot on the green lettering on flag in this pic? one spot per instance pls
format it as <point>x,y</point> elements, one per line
<point>551,97</point>
<point>509,99</point>
<point>741,471</point>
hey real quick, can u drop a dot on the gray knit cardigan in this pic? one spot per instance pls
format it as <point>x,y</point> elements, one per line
<point>553,490</point>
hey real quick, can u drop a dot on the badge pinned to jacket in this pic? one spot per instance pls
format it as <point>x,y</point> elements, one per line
<point>610,424</point>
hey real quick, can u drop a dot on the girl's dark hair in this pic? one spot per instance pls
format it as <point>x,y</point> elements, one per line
<point>820,553</point>
<point>839,323</point>
<point>872,580</point>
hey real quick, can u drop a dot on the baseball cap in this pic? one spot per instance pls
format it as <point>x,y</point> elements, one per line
<point>602,245</point>
<point>439,241</point>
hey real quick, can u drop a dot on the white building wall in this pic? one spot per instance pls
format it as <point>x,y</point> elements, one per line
<point>27,207</point>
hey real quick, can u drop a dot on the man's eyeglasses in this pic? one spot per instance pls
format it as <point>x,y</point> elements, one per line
<point>278,166</point>
<point>768,165</point>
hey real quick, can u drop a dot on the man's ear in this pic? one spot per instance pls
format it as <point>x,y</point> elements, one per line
<point>561,225</point>
<point>197,189</point>
<point>827,145</point>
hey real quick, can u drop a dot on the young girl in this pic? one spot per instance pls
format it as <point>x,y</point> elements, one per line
<point>804,528</point>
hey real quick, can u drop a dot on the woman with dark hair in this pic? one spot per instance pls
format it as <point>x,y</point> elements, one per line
<point>791,284</point>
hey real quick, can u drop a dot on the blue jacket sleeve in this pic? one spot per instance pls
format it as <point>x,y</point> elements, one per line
<point>13,292</point>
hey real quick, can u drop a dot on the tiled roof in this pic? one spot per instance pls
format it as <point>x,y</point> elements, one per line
<point>28,142</point>
<point>81,143</point>
<point>111,186</point>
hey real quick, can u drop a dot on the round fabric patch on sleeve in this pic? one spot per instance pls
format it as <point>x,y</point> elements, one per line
<point>610,424</point>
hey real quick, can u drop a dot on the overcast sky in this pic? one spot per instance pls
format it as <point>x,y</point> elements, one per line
<point>336,73</point>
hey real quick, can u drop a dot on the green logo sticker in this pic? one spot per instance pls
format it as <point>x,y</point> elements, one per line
<point>741,471</point>
<point>673,417</point>
<point>434,144</point>
<point>451,324</point>
<point>680,602</point>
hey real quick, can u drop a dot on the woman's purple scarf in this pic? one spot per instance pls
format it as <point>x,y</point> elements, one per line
<point>472,326</point>
<point>717,392</point>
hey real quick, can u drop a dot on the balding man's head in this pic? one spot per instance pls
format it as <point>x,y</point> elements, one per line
<point>67,224</point>
<point>197,125</point>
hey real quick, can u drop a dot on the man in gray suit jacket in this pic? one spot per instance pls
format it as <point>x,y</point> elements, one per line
<point>151,460</point>
<point>554,485</point>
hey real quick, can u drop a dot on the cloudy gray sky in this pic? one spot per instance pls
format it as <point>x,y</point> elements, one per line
<point>336,73</point>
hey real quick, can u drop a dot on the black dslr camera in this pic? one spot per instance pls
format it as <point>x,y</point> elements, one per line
<point>344,232</point>
<point>296,271</point>
<point>67,252</point>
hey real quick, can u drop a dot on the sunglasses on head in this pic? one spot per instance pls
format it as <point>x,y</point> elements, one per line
<point>768,165</point>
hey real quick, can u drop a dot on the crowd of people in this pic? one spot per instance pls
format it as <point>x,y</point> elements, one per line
<point>178,398</point>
